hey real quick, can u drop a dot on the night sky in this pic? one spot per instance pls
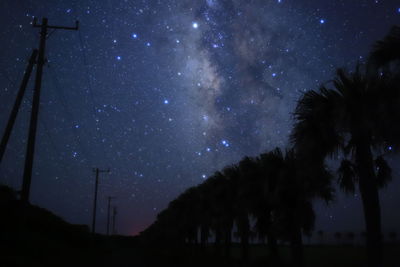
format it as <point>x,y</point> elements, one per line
<point>166,92</point>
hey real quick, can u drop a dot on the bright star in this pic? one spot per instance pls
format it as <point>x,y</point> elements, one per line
<point>225,143</point>
<point>134,35</point>
<point>118,57</point>
<point>322,21</point>
<point>148,44</point>
<point>195,25</point>
<point>166,102</point>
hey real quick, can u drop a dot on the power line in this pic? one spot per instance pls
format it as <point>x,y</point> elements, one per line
<point>69,114</point>
<point>83,49</point>
<point>85,62</point>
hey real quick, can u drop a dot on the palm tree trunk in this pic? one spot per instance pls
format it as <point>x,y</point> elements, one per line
<point>296,245</point>
<point>244,229</point>
<point>218,235</point>
<point>228,243</point>
<point>370,199</point>
<point>204,231</point>
<point>273,247</point>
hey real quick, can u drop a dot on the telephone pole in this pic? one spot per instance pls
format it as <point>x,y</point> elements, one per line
<point>26,183</point>
<point>108,214</point>
<point>17,103</point>
<point>113,220</point>
<point>97,171</point>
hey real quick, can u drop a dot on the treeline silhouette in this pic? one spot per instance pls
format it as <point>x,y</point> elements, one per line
<point>356,121</point>
<point>33,236</point>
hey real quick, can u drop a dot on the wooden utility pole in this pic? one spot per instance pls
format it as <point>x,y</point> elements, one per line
<point>108,214</point>
<point>114,231</point>
<point>26,183</point>
<point>97,171</point>
<point>17,103</point>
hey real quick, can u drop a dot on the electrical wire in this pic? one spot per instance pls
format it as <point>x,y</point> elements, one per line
<point>68,112</point>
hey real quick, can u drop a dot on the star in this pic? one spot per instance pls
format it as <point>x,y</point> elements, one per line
<point>225,143</point>
<point>157,86</point>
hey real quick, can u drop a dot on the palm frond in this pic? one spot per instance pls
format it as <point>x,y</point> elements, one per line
<point>347,176</point>
<point>386,50</point>
<point>314,132</point>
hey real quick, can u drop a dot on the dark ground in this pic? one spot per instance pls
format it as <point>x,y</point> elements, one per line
<point>32,236</point>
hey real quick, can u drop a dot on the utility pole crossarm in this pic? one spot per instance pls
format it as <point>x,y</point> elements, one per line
<point>36,25</point>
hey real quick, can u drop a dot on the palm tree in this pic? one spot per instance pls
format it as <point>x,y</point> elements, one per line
<point>269,166</point>
<point>392,237</point>
<point>320,234</point>
<point>237,185</point>
<point>294,191</point>
<point>220,194</point>
<point>350,237</point>
<point>338,237</point>
<point>203,208</point>
<point>358,117</point>
<point>384,53</point>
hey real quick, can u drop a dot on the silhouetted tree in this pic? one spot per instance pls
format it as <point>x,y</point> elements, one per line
<point>294,193</point>
<point>342,119</point>
<point>384,53</point>
<point>320,234</point>
<point>338,237</point>
<point>350,237</point>
<point>359,116</point>
<point>393,237</point>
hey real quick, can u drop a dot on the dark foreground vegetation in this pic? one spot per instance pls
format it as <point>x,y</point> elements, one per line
<point>355,122</point>
<point>32,236</point>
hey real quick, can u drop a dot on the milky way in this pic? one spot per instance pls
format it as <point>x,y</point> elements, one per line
<point>164,93</point>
